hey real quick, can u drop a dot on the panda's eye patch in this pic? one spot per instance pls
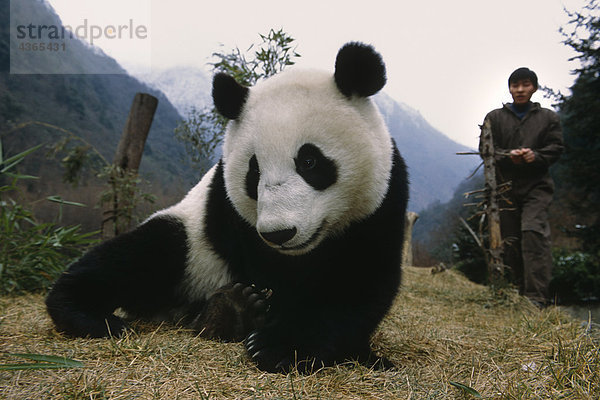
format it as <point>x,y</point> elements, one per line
<point>252,178</point>
<point>317,170</point>
<point>253,165</point>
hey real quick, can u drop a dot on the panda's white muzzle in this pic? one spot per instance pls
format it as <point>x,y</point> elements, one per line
<point>287,220</point>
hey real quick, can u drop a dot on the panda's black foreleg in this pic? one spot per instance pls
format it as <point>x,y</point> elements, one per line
<point>276,350</point>
<point>299,340</point>
<point>80,308</point>
<point>139,271</point>
<point>232,312</point>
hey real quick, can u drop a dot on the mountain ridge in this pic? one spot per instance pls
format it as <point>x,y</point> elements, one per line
<point>96,107</point>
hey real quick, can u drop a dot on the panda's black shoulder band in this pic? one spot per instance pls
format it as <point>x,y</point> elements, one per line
<point>228,96</point>
<point>359,70</point>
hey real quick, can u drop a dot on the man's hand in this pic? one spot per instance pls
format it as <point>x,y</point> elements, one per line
<point>527,155</point>
<point>522,155</point>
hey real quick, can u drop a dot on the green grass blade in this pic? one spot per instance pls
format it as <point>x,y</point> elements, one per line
<point>12,161</point>
<point>19,176</point>
<point>30,366</point>
<point>467,389</point>
<point>58,199</point>
<point>60,362</point>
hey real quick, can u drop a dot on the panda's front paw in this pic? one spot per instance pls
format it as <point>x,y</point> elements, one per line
<point>265,350</point>
<point>256,303</point>
<point>232,312</point>
<point>271,352</point>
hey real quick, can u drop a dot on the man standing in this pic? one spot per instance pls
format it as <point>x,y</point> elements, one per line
<point>527,140</point>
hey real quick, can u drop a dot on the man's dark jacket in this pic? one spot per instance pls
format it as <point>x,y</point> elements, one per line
<point>540,131</point>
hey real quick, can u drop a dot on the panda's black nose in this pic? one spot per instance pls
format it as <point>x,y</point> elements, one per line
<point>279,237</point>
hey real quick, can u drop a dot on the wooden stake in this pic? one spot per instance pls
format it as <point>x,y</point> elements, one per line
<point>409,221</point>
<point>131,146</point>
<point>495,264</point>
<point>127,160</point>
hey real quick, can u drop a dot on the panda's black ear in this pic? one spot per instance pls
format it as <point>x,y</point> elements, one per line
<point>228,95</point>
<point>359,70</point>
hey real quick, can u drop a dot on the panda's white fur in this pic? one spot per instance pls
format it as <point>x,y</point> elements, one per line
<point>285,112</point>
<point>205,270</point>
<point>326,240</point>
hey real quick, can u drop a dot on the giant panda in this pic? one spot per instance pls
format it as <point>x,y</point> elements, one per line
<point>291,242</point>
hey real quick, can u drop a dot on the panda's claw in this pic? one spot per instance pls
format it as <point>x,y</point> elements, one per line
<point>255,342</point>
<point>268,356</point>
<point>283,366</point>
<point>257,355</point>
<point>251,337</point>
<point>270,360</point>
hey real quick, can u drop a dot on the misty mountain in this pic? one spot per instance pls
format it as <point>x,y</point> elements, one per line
<point>186,87</point>
<point>34,22</point>
<point>434,168</point>
<point>94,107</point>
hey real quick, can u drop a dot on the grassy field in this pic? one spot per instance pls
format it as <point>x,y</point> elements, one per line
<point>450,339</point>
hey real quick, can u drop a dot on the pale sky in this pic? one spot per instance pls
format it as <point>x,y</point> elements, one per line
<point>450,60</point>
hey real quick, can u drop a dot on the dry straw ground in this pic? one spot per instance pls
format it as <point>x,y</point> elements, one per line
<point>442,330</point>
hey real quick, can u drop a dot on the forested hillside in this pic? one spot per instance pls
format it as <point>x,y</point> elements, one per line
<point>92,107</point>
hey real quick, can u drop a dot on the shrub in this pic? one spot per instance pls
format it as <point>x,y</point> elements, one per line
<point>32,254</point>
<point>468,257</point>
<point>576,277</point>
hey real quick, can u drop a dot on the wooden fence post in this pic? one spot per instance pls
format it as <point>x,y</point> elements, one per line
<point>495,264</point>
<point>127,161</point>
<point>407,254</point>
<point>131,146</point>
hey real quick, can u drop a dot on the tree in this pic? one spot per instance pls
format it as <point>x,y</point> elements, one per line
<point>576,274</point>
<point>580,113</point>
<point>202,131</point>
